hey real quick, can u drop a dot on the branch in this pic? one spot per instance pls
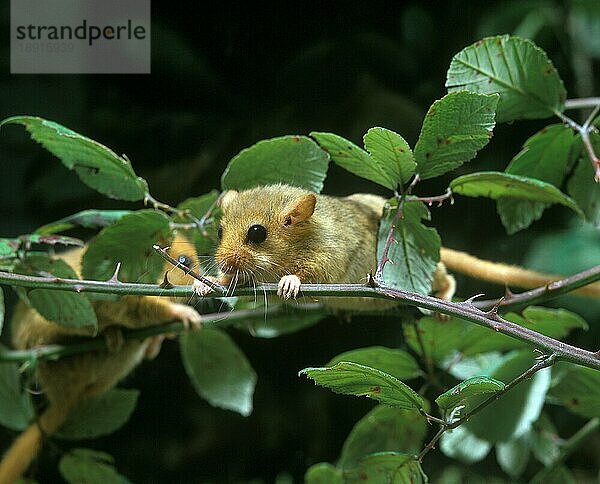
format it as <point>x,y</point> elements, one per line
<point>391,238</point>
<point>582,103</point>
<point>439,199</point>
<point>544,362</point>
<point>54,351</point>
<point>463,310</point>
<point>584,131</point>
<point>512,302</point>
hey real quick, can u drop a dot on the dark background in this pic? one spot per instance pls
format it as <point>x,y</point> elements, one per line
<point>224,77</point>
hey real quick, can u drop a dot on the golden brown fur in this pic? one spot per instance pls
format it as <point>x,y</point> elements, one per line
<point>334,244</point>
<point>69,380</point>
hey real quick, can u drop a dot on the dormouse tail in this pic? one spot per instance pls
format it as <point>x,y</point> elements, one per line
<point>512,276</point>
<point>26,446</point>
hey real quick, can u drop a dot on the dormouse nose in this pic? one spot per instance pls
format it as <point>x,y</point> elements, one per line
<point>231,261</point>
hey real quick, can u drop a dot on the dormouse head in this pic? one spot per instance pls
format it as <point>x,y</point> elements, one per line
<point>262,230</point>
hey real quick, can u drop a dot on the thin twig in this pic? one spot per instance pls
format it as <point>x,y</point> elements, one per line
<point>54,351</point>
<point>587,143</point>
<point>544,362</point>
<point>439,199</point>
<point>545,293</point>
<point>590,119</point>
<point>391,237</point>
<point>584,131</point>
<point>582,103</point>
<point>568,121</point>
<point>163,206</point>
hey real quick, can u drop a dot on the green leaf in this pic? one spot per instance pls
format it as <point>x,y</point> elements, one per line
<point>89,467</point>
<point>128,241</point>
<point>518,214</point>
<point>416,253</point>
<point>68,309</point>
<point>90,219</point>
<point>467,390</point>
<point>566,252</point>
<point>356,160</point>
<point>395,362</point>
<point>515,68</point>
<point>16,409</point>
<point>440,338</point>
<point>556,323</point>
<point>544,441</point>
<point>454,129</point>
<point>579,390</point>
<point>98,166</point>
<point>512,416</point>
<point>323,473</point>
<point>294,160</point>
<point>544,156</point>
<point>363,381</point>
<point>387,467</point>
<point>383,429</point>
<point>482,364</point>
<point>495,184</point>
<point>463,445</point>
<point>584,189</point>
<point>391,153</point>
<point>99,416</point>
<point>513,456</point>
<point>218,369</point>
<point>205,239</point>
<point>288,321</point>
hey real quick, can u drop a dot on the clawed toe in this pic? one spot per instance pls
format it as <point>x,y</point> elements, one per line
<point>288,287</point>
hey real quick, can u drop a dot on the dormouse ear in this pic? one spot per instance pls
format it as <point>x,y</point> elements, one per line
<point>300,209</point>
<point>226,198</point>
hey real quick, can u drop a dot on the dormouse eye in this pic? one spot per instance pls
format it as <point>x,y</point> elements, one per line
<point>220,232</point>
<point>186,261</point>
<point>256,234</point>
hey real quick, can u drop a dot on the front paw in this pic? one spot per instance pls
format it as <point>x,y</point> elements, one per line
<point>288,287</point>
<point>190,318</point>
